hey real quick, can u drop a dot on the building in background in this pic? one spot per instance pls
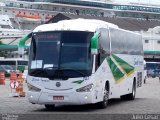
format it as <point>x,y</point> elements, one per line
<point>134,15</point>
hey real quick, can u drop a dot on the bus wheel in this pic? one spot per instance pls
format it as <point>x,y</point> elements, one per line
<point>132,95</point>
<point>49,107</point>
<point>104,103</point>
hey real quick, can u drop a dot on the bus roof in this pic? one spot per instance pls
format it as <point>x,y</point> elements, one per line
<point>79,24</point>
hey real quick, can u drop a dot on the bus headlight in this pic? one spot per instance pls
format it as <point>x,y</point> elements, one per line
<point>33,88</point>
<point>86,88</point>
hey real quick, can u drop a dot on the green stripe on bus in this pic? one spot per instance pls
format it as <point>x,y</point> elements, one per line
<point>127,68</point>
<point>117,74</point>
<point>78,81</point>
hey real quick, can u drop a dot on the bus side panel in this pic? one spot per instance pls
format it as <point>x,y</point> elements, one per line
<point>127,59</point>
<point>122,80</point>
<point>103,74</point>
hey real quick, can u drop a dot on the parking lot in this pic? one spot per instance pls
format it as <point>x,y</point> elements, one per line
<point>147,101</point>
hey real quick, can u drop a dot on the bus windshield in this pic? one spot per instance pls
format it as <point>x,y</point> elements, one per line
<point>13,65</point>
<point>8,65</point>
<point>60,54</point>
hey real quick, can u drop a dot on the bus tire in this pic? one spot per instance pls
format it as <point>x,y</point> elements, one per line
<point>49,107</point>
<point>132,95</point>
<point>103,104</point>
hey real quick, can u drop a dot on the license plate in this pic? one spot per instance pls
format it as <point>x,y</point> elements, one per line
<point>58,97</point>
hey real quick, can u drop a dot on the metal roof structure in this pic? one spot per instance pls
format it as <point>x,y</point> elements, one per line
<point>124,23</point>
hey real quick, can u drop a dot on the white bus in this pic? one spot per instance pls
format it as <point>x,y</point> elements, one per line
<point>83,61</point>
<point>8,65</point>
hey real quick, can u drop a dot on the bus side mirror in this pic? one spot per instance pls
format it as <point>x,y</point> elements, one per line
<point>94,43</point>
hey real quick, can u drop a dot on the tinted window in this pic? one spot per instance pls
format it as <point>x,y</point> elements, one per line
<point>125,42</point>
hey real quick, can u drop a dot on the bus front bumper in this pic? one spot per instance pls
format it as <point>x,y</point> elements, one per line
<point>59,98</point>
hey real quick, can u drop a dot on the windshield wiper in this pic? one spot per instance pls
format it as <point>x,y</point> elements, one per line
<point>37,71</point>
<point>74,70</point>
<point>40,71</point>
<point>51,68</point>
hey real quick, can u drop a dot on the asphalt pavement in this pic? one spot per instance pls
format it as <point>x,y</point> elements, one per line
<point>147,102</point>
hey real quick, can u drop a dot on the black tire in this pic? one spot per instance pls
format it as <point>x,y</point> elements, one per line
<point>104,103</point>
<point>132,95</point>
<point>49,107</point>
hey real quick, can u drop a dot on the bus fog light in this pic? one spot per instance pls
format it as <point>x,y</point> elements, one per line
<point>86,88</point>
<point>31,96</point>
